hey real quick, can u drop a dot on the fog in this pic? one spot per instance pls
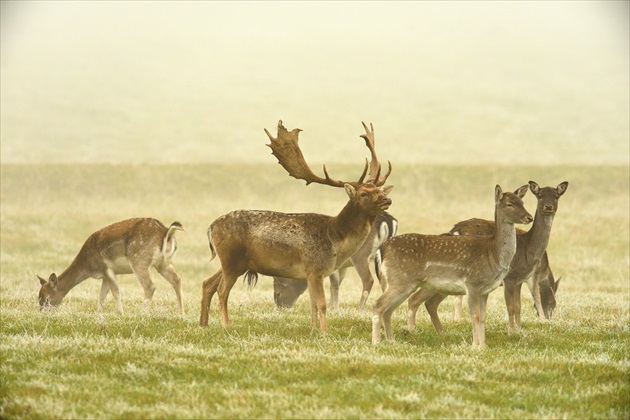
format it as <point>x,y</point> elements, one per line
<point>442,82</point>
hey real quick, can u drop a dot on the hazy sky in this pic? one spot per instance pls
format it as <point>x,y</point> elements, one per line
<point>458,82</point>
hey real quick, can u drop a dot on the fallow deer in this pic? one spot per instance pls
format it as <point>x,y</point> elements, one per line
<point>130,246</point>
<point>472,265</point>
<point>529,262</point>
<point>287,291</point>
<point>301,246</point>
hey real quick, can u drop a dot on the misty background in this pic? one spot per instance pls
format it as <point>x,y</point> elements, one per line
<point>442,82</point>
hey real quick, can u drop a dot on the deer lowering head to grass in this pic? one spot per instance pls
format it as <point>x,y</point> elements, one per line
<point>130,246</point>
<point>300,246</point>
<point>472,265</point>
<point>287,291</point>
<point>530,262</point>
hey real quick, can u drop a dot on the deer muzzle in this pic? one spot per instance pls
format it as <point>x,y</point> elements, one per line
<point>385,203</point>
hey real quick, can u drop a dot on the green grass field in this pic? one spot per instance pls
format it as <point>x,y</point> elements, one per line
<point>76,363</point>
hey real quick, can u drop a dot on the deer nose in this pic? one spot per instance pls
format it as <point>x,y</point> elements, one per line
<point>548,207</point>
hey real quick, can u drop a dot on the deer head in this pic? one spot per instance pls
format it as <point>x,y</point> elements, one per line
<point>548,197</point>
<point>511,204</point>
<point>49,294</point>
<point>369,195</point>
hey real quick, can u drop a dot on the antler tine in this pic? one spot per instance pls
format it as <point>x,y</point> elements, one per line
<point>375,166</point>
<point>381,181</point>
<point>364,172</point>
<point>286,149</point>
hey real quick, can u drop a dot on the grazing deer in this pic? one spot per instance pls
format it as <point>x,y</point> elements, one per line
<point>286,291</point>
<point>130,246</point>
<point>472,265</point>
<point>529,262</point>
<point>301,246</point>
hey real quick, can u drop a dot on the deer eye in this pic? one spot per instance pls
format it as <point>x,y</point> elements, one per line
<point>364,194</point>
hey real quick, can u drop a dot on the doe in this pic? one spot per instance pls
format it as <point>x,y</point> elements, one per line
<point>131,246</point>
<point>472,265</point>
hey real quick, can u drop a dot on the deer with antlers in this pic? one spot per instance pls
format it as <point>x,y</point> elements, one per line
<point>300,246</point>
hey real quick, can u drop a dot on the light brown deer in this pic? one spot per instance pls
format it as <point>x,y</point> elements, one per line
<point>286,291</point>
<point>302,246</point>
<point>130,246</point>
<point>472,265</point>
<point>530,261</point>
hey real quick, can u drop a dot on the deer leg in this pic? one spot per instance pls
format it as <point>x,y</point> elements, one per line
<point>414,302</point>
<point>517,305</point>
<point>103,295</point>
<point>144,278</point>
<point>313,309</point>
<point>384,308</point>
<point>363,269</point>
<point>458,307</point>
<point>208,290</point>
<point>335,280</point>
<point>387,323</point>
<point>110,278</point>
<point>483,301</point>
<point>318,301</point>
<point>534,288</point>
<point>170,275</point>
<point>509,293</point>
<point>225,286</point>
<point>432,306</point>
<point>475,315</point>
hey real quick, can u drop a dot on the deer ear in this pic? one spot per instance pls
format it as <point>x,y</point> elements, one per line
<point>534,187</point>
<point>498,194</point>
<point>387,189</point>
<point>41,281</point>
<point>53,280</point>
<point>522,191</point>
<point>562,187</point>
<point>350,190</point>
<point>555,285</point>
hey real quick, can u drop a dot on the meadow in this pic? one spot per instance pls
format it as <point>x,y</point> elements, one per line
<point>75,362</point>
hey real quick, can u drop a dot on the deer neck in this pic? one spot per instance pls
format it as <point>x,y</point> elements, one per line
<point>350,227</point>
<point>72,276</point>
<point>537,238</point>
<point>504,240</point>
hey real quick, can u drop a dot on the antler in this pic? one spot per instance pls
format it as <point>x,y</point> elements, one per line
<point>286,149</point>
<point>375,166</point>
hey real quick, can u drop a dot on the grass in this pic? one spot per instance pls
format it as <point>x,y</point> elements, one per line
<point>76,363</point>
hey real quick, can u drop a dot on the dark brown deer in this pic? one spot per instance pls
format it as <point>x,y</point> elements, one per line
<point>301,246</point>
<point>530,262</point>
<point>472,265</point>
<point>130,246</point>
<point>286,291</point>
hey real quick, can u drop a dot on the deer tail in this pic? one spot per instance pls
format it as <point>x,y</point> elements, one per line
<point>212,249</point>
<point>252,278</point>
<point>378,259</point>
<point>169,245</point>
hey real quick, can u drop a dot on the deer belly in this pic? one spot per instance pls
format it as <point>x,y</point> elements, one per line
<point>119,265</point>
<point>447,286</point>
<point>278,266</point>
<point>446,278</point>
